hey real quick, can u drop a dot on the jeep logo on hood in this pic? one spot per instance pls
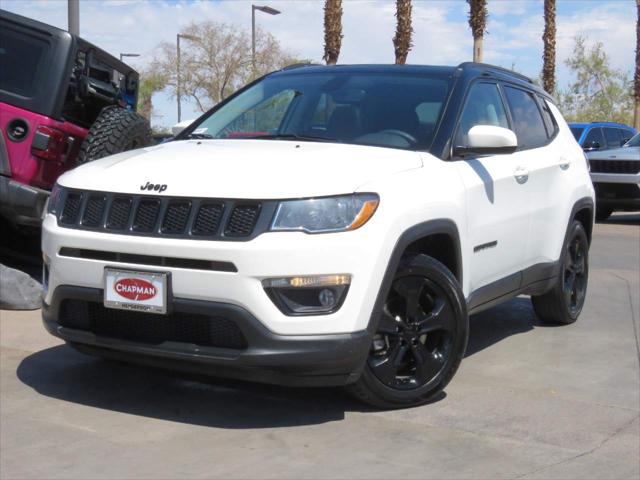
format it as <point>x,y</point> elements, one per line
<point>154,186</point>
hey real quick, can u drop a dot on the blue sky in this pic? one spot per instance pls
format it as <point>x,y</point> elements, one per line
<point>442,35</point>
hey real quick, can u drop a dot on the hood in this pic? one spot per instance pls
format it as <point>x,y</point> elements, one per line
<point>256,169</point>
<point>622,153</point>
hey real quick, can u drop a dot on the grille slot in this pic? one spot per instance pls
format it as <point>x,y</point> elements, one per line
<point>208,219</point>
<point>615,166</point>
<point>175,220</point>
<point>176,217</point>
<point>146,215</point>
<point>119,213</point>
<point>71,208</point>
<point>92,216</point>
<point>149,328</point>
<point>243,220</point>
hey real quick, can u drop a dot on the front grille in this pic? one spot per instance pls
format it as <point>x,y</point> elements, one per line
<point>166,216</point>
<point>150,328</point>
<point>615,166</point>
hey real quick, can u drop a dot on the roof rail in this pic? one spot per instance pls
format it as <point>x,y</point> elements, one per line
<point>497,69</point>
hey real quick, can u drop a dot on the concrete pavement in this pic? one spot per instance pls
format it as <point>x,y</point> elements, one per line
<point>530,401</point>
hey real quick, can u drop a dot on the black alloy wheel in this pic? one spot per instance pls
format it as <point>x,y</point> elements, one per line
<point>563,303</point>
<point>415,334</point>
<point>420,337</point>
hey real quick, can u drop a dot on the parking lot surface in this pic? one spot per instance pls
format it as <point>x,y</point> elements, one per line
<point>530,401</point>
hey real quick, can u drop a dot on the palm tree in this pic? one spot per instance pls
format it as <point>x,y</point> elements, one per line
<point>478,24</point>
<point>549,39</point>
<point>636,117</point>
<point>402,39</point>
<point>332,30</point>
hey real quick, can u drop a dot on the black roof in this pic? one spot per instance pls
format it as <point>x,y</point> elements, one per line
<point>470,69</point>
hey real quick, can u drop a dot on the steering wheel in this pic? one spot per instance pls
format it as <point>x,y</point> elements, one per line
<point>407,136</point>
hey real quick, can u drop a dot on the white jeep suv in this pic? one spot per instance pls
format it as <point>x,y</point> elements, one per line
<point>326,225</point>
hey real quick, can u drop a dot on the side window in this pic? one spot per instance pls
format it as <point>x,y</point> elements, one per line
<point>594,140</point>
<point>549,120</point>
<point>527,121</point>
<point>613,137</point>
<point>626,136</point>
<point>483,107</point>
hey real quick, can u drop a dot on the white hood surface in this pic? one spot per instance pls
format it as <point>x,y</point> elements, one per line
<point>255,169</point>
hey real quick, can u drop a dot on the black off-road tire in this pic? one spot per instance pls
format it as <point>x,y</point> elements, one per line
<point>370,388</point>
<point>115,130</point>
<point>603,213</point>
<point>557,306</point>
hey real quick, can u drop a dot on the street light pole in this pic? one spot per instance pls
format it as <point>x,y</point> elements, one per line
<point>265,9</point>
<point>73,12</point>
<point>193,38</point>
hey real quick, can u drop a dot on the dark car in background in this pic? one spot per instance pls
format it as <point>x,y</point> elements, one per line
<point>597,136</point>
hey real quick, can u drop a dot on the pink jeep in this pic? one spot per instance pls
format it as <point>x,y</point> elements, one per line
<point>63,101</point>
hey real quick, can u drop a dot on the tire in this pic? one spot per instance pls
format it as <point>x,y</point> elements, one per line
<point>603,213</point>
<point>413,356</point>
<point>115,130</point>
<point>563,303</point>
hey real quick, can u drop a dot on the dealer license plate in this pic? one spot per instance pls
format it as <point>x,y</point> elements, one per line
<point>133,290</point>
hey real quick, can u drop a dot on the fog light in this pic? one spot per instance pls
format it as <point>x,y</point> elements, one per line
<point>308,295</point>
<point>327,298</point>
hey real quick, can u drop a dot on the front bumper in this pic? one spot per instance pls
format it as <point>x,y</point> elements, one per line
<point>21,204</point>
<point>618,191</point>
<point>301,360</point>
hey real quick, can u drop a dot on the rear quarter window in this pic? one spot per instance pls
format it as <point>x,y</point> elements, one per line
<point>527,120</point>
<point>23,58</point>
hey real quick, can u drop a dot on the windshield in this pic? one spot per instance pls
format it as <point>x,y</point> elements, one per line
<point>389,110</point>
<point>634,142</point>
<point>577,131</point>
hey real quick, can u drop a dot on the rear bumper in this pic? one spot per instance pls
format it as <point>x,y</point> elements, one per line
<point>21,204</point>
<point>294,360</point>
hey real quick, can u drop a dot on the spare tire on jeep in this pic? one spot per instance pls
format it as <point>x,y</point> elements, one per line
<point>115,130</point>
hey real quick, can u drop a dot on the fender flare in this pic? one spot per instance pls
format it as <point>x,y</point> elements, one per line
<point>421,230</point>
<point>582,204</point>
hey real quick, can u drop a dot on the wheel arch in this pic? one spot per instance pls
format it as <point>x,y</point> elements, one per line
<point>584,211</point>
<point>437,238</point>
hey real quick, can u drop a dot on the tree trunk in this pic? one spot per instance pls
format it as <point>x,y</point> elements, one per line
<point>478,25</point>
<point>636,79</point>
<point>332,31</point>
<point>477,49</point>
<point>549,40</point>
<point>402,39</point>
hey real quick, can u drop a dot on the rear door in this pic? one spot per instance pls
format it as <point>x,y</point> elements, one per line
<point>497,203</point>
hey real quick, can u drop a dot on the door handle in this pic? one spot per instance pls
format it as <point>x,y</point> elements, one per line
<point>521,175</point>
<point>564,163</point>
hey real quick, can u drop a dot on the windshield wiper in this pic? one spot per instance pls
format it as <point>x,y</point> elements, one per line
<point>199,136</point>
<point>293,136</point>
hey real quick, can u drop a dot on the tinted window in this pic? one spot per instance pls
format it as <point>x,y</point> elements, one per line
<point>21,56</point>
<point>634,142</point>
<point>391,110</point>
<point>483,107</point>
<point>577,131</point>
<point>527,122</point>
<point>594,139</point>
<point>549,120</point>
<point>613,137</point>
<point>626,135</point>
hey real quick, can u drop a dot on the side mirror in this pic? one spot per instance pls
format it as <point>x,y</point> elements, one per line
<point>591,146</point>
<point>488,140</point>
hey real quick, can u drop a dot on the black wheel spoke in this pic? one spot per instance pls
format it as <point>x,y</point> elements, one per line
<point>427,364</point>
<point>388,323</point>
<point>437,319</point>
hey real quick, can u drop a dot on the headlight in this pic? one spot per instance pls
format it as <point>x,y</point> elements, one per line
<point>53,203</point>
<point>329,214</point>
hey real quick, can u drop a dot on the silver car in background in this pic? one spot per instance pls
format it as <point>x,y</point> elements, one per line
<point>616,177</point>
